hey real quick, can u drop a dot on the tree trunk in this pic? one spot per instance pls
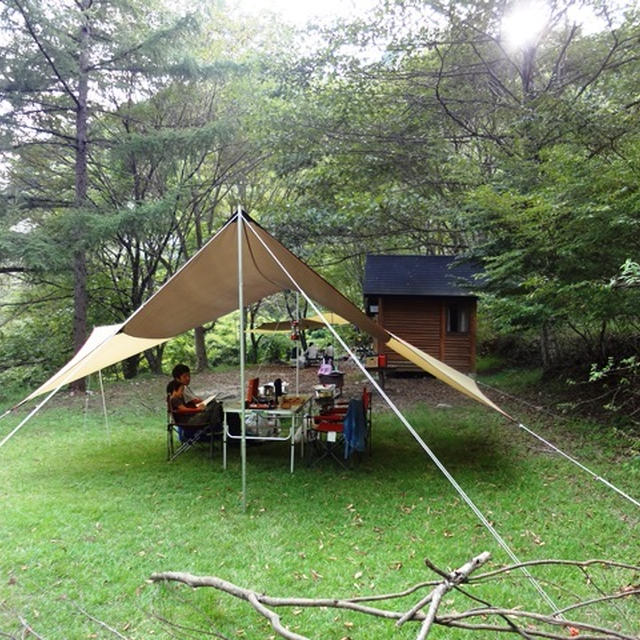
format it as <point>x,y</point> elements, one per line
<point>254,352</point>
<point>548,347</point>
<point>130,367</point>
<point>154,358</point>
<point>202,363</point>
<point>80,260</point>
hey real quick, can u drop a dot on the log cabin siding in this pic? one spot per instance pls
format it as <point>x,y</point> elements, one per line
<point>428,301</point>
<point>422,321</point>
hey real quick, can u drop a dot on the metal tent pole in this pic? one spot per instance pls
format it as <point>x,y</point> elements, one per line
<point>243,432</point>
<point>298,344</point>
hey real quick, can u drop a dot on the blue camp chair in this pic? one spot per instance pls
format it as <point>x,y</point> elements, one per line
<point>187,435</point>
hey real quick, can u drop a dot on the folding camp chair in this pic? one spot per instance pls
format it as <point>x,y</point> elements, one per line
<point>188,435</point>
<point>338,434</point>
<point>326,439</point>
<point>338,410</point>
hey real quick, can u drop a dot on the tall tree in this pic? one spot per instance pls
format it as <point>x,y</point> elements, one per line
<point>454,142</point>
<point>58,60</point>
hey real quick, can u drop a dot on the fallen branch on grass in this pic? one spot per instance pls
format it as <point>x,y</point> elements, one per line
<point>526,624</point>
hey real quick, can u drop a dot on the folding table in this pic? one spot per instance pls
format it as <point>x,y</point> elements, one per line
<point>291,410</point>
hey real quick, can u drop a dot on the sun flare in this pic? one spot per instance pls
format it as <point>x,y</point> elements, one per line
<point>524,23</point>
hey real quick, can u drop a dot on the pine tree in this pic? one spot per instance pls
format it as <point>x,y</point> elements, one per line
<point>62,65</point>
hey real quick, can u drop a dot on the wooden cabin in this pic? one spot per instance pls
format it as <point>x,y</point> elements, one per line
<point>423,299</point>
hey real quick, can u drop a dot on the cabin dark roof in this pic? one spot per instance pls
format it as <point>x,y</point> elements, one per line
<point>417,276</point>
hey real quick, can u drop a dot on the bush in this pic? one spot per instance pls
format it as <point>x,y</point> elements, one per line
<point>512,350</point>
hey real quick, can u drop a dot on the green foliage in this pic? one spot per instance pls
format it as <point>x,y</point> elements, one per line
<point>412,130</point>
<point>618,380</point>
<point>489,363</point>
<point>629,275</point>
<point>450,142</point>
<point>275,348</point>
<point>222,346</point>
<point>30,349</point>
<point>179,349</point>
<point>550,253</point>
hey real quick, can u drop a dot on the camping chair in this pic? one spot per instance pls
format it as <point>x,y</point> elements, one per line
<point>338,435</point>
<point>326,439</point>
<point>338,410</point>
<point>188,435</point>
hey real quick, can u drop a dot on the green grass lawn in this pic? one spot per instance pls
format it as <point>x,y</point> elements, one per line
<point>86,518</point>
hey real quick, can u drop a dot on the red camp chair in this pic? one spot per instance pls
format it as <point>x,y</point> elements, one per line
<point>326,439</point>
<point>338,411</point>
<point>327,430</point>
<point>252,390</point>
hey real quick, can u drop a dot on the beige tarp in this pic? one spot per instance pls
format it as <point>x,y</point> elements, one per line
<point>442,371</point>
<point>330,317</point>
<point>104,347</point>
<point>206,288</point>
<point>308,324</point>
<point>284,326</point>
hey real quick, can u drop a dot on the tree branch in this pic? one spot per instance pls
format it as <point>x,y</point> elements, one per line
<point>44,52</point>
<point>264,604</point>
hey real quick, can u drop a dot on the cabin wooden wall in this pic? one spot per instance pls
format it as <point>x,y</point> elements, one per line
<point>422,322</point>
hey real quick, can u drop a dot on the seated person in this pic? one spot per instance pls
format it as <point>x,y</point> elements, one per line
<point>181,373</point>
<point>326,366</point>
<point>327,356</point>
<point>192,416</point>
<point>312,353</point>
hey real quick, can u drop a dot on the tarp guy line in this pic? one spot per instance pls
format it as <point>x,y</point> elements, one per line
<point>420,441</point>
<point>64,381</point>
<point>68,375</point>
<point>562,453</point>
<point>33,413</point>
<point>579,464</point>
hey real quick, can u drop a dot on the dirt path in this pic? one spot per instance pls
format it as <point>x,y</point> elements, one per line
<point>149,391</point>
<point>405,391</point>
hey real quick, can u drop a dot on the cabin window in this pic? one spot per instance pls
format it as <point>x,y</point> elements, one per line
<point>457,319</point>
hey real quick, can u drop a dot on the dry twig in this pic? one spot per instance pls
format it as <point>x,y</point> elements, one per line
<point>527,624</point>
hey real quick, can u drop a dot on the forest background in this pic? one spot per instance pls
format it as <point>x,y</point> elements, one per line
<point>131,130</point>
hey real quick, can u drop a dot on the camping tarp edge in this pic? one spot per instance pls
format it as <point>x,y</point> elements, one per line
<point>105,346</point>
<point>442,371</point>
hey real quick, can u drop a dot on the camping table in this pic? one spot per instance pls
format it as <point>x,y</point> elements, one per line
<point>295,416</point>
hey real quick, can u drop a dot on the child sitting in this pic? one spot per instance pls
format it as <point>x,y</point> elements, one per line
<point>199,415</point>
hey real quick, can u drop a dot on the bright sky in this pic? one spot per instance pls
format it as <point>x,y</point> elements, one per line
<point>299,12</point>
<point>527,19</point>
<point>524,23</point>
<point>521,26</point>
